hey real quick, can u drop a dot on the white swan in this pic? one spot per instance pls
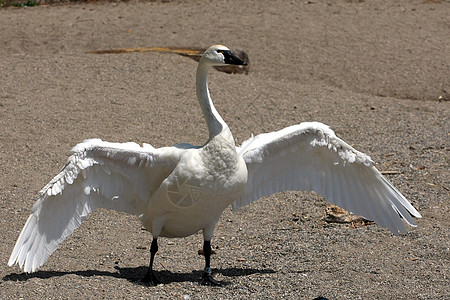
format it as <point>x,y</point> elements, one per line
<point>180,190</point>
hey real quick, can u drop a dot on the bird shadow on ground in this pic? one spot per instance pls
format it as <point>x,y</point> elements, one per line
<point>135,274</point>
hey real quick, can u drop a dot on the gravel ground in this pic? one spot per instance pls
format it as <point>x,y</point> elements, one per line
<point>377,72</point>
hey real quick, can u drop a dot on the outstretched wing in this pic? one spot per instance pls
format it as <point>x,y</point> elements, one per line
<point>310,157</point>
<point>98,174</point>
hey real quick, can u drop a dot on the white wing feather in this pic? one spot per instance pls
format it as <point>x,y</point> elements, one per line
<point>310,157</point>
<point>97,175</point>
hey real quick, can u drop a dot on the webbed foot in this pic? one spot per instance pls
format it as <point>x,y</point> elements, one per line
<point>150,279</point>
<point>207,279</point>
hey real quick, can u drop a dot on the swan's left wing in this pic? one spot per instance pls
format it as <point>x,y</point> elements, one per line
<point>310,157</point>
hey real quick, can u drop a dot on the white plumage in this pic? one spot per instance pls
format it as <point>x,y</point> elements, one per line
<point>177,191</point>
<point>310,157</point>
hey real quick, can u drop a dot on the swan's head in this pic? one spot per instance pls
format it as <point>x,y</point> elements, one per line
<point>219,55</point>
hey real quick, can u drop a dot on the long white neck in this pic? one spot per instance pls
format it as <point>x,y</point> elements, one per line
<point>214,121</point>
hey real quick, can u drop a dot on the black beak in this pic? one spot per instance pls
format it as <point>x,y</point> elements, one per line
<point>231,59</point>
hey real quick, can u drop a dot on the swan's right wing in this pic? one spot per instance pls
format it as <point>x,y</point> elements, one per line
<point>98,174</point>
<point>310,157</point>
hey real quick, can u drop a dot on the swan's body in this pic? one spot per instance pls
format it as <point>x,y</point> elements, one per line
<point>180,190</point>
<point>198,190</point>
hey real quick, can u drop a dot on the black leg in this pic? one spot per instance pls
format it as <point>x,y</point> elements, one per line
<point>207,278</point>
<point>150,277</point>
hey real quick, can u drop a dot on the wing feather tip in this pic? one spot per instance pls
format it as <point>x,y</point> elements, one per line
<point>12,261</point>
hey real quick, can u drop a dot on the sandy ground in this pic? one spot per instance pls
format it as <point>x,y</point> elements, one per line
<point>373,70</point>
